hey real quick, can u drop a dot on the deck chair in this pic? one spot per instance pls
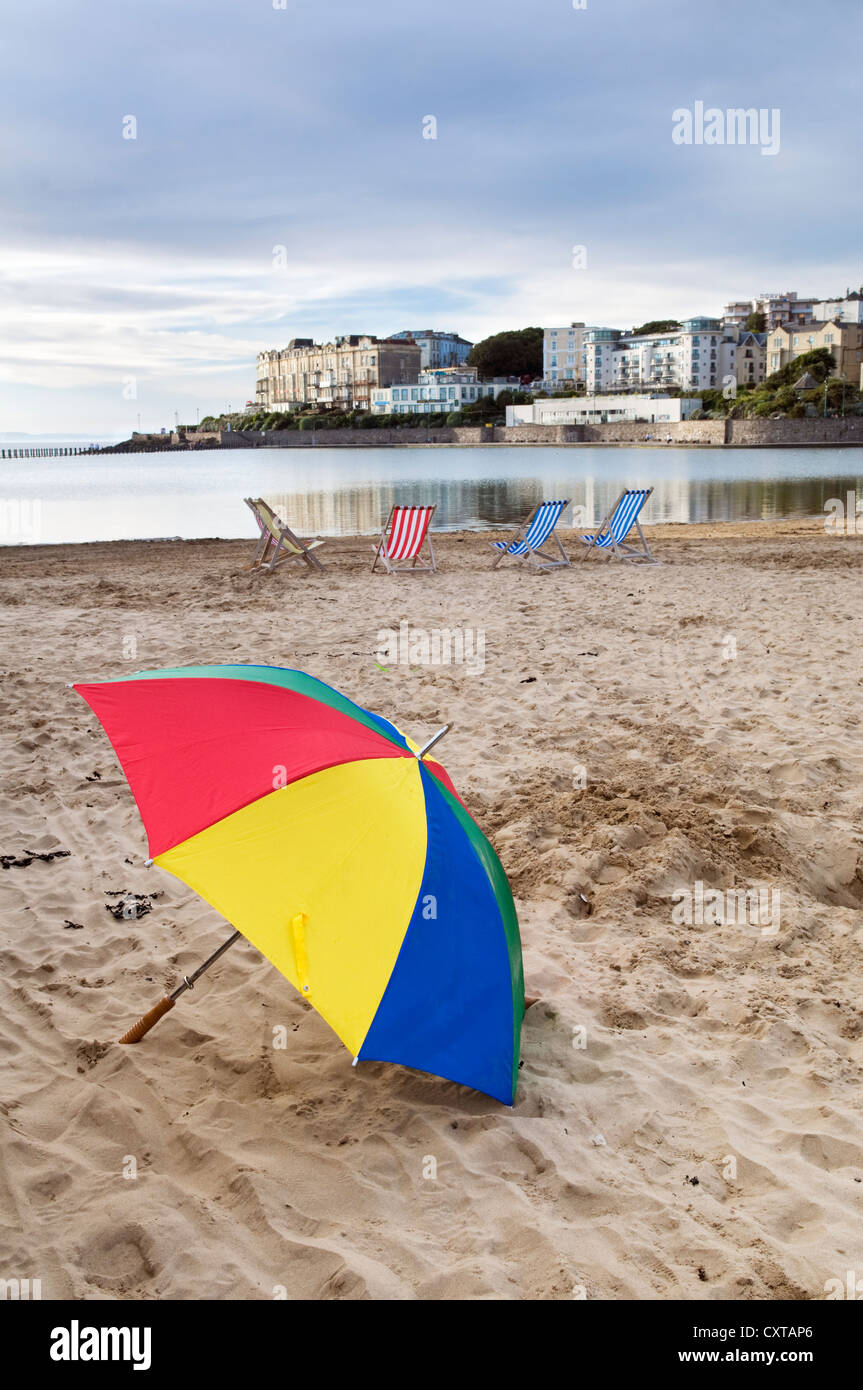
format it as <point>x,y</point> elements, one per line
<point>278,542</point>
<point>529,540</point>
<point>408,529</point>
<point>617,525</point>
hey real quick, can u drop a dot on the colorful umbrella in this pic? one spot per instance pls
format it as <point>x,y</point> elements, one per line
<point>341,852</point>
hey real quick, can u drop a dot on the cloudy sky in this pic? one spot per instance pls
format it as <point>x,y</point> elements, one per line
<point>141,276</point>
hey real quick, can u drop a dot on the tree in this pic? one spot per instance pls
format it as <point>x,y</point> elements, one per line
<point>517,352</point>
<point>756,322</point>
<point>819,363</point>
<point>485,408</point>
<point>656,326</point>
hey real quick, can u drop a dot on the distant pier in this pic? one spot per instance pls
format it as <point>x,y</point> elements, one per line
<point>49,452</point>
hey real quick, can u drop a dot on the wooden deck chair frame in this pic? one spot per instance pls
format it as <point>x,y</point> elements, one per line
<point>617,548</point>
<point>380,548</point>
<point>278,542</point>
<point>549,563</point>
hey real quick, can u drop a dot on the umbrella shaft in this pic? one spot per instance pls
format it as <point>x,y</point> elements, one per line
<point>189,980</point>
<point>432,741</point>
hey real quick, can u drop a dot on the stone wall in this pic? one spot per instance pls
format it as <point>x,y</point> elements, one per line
<point>349,438</point>
<point>679,431</point>
<point>800,432</point>
<point>539,434</point>
<point>742,433</point>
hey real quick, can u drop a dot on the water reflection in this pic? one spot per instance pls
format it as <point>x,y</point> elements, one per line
<point>344,491</point>
<point>485,503</point>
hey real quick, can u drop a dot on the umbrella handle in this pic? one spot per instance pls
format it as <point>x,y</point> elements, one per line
<point>149,1019</point>
<point>137,1031</point>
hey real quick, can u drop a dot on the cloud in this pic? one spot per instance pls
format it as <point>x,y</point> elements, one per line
<point>302,128</point>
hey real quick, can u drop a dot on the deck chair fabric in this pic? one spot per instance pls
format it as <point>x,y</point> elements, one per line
<point>402,539</point>
<point>278,542</point>
<point>617,525</point>
<point>528,542</point>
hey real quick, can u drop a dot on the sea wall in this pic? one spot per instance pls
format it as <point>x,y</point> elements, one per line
<point>677,431</point>
<point>539,434</point>
<point>709,433</point>
<point>349,438</point>
<point>799,432</point>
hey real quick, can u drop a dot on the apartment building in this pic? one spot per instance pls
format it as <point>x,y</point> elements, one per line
<point>786,307</point>
<point>751,358</point>
<point>341,374</point>
<point>438,349</point>
<point>848,310</point>
<point>562,355</point>
<point>435,391</point>
<point>734,315</point>
<point>845,341</point>
<point>699,355</point>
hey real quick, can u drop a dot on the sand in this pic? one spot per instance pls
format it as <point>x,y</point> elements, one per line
<point>688,1120</point>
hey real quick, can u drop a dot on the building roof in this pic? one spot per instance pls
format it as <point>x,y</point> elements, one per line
<point>806,383</point>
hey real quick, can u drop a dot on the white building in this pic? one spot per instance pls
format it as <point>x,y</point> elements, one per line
<point>787,307</point>
<point>435,391</point>
<point>734,315</point>
<point>777,307</point>
<point>562,354</point>
<point>603,410</point>
<point>438,349</point>
<point>847,310</point>
<point>698,356</point>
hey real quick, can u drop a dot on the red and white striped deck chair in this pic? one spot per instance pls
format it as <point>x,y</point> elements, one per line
<point>402,539</point>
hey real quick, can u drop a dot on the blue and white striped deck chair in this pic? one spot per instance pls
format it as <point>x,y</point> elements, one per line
<point>529,540</point>
<point>617,525</point>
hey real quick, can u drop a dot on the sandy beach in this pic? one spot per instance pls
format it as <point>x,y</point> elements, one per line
<point>688,1121</point>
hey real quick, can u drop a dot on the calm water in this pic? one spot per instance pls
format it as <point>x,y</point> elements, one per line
<point>341,491</point>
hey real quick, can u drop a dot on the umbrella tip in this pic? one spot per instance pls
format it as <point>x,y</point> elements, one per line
<point>354,1062</point>
<point>148,863</point>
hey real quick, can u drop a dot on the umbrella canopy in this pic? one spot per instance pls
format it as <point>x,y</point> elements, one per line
<point>314,827</point>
